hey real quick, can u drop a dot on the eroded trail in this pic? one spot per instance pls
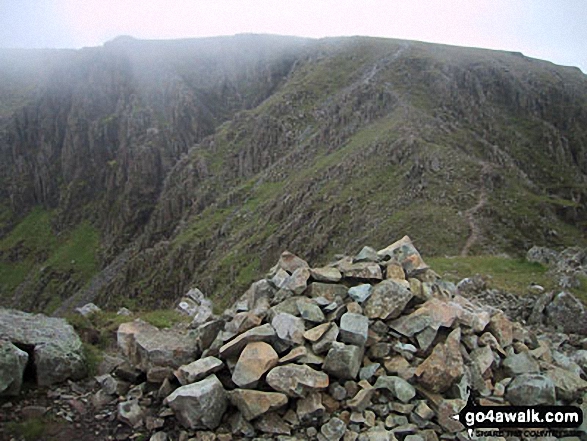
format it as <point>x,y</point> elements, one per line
<point>475,229</point>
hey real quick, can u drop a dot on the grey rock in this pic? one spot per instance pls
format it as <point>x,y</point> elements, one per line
<point>361,271</point>
<point>343,361</point>
<point>56,348</point>
<point>296,380</point>
<point>206,334</point>
<point>387,301</point>
<point>310,311</point>
<point>289,328</point>
<point>406,254</point>
<point>367,254</point>
<point>272,423</point>
<point>280,278</point>
<point>329,291</point>
<point>367,372</point>
<point>354,329</point>
<point>297,282</point>
<point>326,274</point>
<point>517,364</point>
<point>360,293</point>
<point>334,429</point>
<point>13,362</point>
<point>399,388</point>
<point>568,385</point>
<point>198,370</point>
<point>130,413</point>
<point>88,309</point>
<point>233,348</point>
<point>531,390</point>
<point>309,409</point>
<point>290,262</point>
<point>199,405</point>
<point>159,436</point>
<point>567,313</point>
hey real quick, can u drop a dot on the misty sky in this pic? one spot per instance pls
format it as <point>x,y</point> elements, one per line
<point>554,30</point>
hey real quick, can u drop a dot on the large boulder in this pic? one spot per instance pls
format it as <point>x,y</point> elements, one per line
<point>12,365</point>
<point>54,345</point>
<point>199,405</point>
<point>567,313</point>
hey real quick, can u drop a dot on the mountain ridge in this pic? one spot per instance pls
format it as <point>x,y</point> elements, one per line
<point>197,162</point>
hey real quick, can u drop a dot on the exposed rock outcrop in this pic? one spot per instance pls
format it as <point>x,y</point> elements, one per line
<point>54,349</point>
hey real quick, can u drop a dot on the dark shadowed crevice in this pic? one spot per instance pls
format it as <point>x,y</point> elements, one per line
<point>30,371</point>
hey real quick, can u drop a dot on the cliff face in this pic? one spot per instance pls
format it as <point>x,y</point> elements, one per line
<point>199,153</point>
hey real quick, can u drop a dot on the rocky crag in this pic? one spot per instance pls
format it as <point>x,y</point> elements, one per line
<point>371,347</point>
<point>192,155</point>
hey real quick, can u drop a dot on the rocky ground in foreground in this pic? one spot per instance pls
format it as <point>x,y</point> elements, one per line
<point>371,347</point>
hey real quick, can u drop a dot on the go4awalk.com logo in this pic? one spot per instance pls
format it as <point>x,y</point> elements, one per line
<point>520,421</point>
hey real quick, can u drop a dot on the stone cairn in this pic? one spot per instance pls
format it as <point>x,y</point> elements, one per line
<point>373,347</point>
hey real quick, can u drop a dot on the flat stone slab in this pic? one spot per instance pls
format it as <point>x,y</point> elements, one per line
<point>55,346</point>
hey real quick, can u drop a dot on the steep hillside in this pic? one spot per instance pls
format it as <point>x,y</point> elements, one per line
<point>197,154</point>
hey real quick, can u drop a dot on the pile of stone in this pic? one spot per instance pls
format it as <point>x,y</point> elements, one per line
<point>373,347</point>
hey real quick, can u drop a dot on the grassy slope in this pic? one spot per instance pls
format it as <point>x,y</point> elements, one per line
<point>46,262</point>
<point>318,199</point>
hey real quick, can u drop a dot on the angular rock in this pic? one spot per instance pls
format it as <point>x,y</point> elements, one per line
<point>199,405</point>
<point>354,329</point>
<point>280,278</point>
<point>309,409</point>
<point>361,271</point>
<point>297,282</point>
<point>326,274</point>
<point>325,343</point>
<point>399,388</point>
<point>387,300</point>
<point>198,370</point>
<point>168,348</point>
<point>253,403</point>
<point>360,293</point>
<point>334,429</point>
<point>567,313</point>
<point>406,254</point>
<point>207,333</point>
<point>294,355</point>
<point>444,366</point>
<point>233,348</point>
<point>367,254</point>
<point>295,380</point>
<point>272,423</point>
<point>517,364</point>
<point>395,271</point>
<point>531,390</point>
<point>362,399</point>
<point>88,309</point>
<point>316,333</point>
<point>501,327</point>
<point>482,358</point>
<point>242,322</point>
<point>130,413</point>
<point>343,361</point>
<point>13,362</point>
<point>290,262</point>
<point>289,328</point>
<point>329,291</point>
<point>56,348</point>
<point>568,385</point>
<point>255,359</point>
<point>310,311</point>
